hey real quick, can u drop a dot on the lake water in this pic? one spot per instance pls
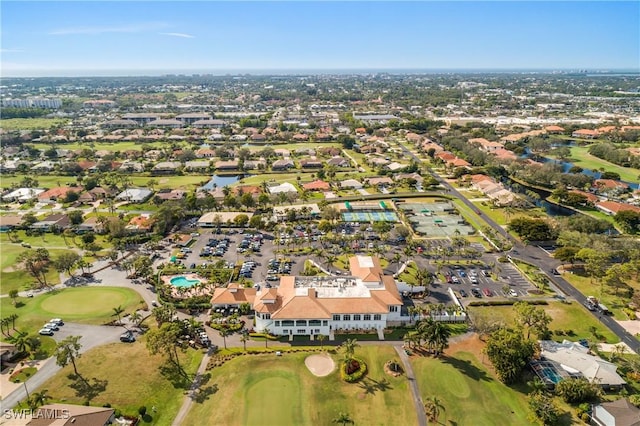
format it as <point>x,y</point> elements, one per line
<point>220,182</point>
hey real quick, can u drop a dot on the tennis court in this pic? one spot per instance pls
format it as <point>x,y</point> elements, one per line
<point>436,219</point>
<point>369,217</point>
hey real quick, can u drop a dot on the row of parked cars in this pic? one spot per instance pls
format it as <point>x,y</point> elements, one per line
<point>246,270</point>
<point>215,247</point>
<point>278,267</point>
<point>251,242</point>
<point>51,326</point>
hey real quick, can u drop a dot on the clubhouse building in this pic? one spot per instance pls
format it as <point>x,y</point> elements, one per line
<point>366,299</point>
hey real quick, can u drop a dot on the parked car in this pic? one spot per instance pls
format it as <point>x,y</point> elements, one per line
<point>127,337</point>
<point>487,292</point>
<point>476,292</point>
<point>46,332</point>
<point>51,326</point>
<point>463,293</point>
<point>513,293</point>
<point>56,321</point>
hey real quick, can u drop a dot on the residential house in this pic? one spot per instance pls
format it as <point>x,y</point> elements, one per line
<point>282,152</point>
<point>311,164</point>
<point>141,118</point>
<point>615,413</point>
<point>171,194</point>
<point>485,145</point>
<point>254,190</point>
<point>209,124</point>
<point>255,164</point>
<point>9,222</point>
<point>610,186</point>
<point>585,134</point>
<point>135,195</point>
<point>382,181</point>
<point>554,129</point>
<point>91,225</point>
<point>284,164</point>
<point>22,195</point>
<point>366,299</point>
<point>575,359</point>
<point>58,220</point>
<point>71,415</point>
<point>205,153</point>
<point>316,185</point>
<point>338,162</point>
<point>55,194</point>
<point>283,188</point>
<point>165,168</point>
<point>227,165</point>
<point>196,165</point>
<point>141,223</point>
<point>120,124</point>
<point>613,207</point>
<point>351,183</point>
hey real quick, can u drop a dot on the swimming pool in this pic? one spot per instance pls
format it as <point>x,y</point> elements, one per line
<point>182,281</point>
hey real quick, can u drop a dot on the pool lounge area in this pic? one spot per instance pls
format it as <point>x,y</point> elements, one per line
<point>185,285</point>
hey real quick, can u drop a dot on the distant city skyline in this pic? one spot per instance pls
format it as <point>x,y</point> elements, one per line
<point>152,38</point>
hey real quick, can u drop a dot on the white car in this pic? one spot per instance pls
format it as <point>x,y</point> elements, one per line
<point>512,293</point>
<point>56,321</point>
<point>46,332</point>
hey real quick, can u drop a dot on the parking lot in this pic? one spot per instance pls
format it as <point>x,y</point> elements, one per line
<point>249,250</point>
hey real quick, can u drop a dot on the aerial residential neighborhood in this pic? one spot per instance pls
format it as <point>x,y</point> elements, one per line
<point>192,240</point>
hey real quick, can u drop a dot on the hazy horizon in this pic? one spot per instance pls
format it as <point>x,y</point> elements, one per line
<point>141,37</point>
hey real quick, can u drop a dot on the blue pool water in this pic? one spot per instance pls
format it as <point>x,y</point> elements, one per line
<point>183,282</point>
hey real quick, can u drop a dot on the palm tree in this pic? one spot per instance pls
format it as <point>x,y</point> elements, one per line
<point>244,340</point>
<point>321,338</point>
<point>343,418</point>
<point>350,346</point>
<point>224,332</point>
<point>38,399</point>
<point>135,318</point>
<point>396,259</point>
<point>266,337</point>
<point>432,408</point>
<point>21,342</point>
<point>117,311</point>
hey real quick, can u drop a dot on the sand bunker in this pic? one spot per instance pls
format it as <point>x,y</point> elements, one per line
<point>320,365</point>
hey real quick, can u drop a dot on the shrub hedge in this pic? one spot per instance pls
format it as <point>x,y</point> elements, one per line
<point>356,375</point>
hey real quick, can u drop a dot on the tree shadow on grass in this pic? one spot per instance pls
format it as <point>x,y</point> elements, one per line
<point>371,386</point>
<point>88,389</point>
<point>202,389</point>
<point>176,375</point>
<point>467,368</point>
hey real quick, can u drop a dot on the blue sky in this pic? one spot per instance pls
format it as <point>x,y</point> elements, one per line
<point>51,38</point>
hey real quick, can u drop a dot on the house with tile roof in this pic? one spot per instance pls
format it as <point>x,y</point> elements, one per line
<point>616,413</point>
<point>366,299</point>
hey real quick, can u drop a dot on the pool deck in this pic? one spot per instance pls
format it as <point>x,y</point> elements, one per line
<point>196,290</point>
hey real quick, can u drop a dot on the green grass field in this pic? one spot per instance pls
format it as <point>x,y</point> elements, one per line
<point>564,316</point>
<point>132,378</point>
<point>87,305</point>
<point>270,390</point>
<point>469,393</point>
<point>580,156</point>
<point>31,123</point>
<point>11,277</point>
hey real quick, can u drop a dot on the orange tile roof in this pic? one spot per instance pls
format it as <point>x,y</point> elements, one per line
<point>616,207</point>
<point>316,185</point>
<point>57,192</point>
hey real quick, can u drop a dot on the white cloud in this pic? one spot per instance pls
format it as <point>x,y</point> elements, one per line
<point>182,35</point>
<point>93,30</point>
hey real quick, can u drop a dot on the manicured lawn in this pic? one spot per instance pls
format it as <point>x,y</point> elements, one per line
<point>281,391</point>
<point>31,123</point>
<point>469,393</point>
<point>564,316</point>
<point>132,377</point>
<point>88,305</point>
<point>580,156</point>
<point>11,277</point>
<point>605,294</point>
<point>23,374</point>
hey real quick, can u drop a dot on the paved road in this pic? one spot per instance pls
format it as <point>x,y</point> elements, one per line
<point>92,336</point>
<point>413,385</point>
<point>537,256</point>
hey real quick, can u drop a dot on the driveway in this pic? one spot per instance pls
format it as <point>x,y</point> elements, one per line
<point>92,336</point>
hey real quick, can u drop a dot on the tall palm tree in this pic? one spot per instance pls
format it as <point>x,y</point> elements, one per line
<point>117,311</point>
<point>244,339</point>
<point>350,346</point>
<point>343,418</point>
<point>266,337</point>
<point>135,318</point>
<point>432,407</point>
<point>321,338</point>
<point>224,332</point>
